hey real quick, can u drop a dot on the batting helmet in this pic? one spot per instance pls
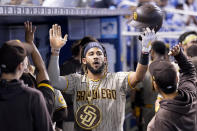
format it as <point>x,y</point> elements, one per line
<point>147,15</point>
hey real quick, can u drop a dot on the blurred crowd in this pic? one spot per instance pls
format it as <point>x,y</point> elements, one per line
<point>179,16</point>
<point>173,20</point>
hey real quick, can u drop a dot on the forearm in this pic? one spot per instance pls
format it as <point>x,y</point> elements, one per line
<point>57,81</point>
<point>40,65</point>
<point>147,38</point>
<point>184,64</point>
<point>139,75</point>
<point>142,67</point>
<point>187,69</point>
<point>140,70</point>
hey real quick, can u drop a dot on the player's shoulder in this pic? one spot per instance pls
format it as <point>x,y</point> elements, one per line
<point>45,85</point>
<point>117,75</point>
<point>75,75</point>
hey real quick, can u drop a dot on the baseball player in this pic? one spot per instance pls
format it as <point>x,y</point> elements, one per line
<point>187,39</point>
<point>99,96</point>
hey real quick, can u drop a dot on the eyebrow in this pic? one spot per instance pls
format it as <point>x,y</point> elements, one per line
<point>96,51</point>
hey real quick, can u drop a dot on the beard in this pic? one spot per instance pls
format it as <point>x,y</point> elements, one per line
<point>96,71</point>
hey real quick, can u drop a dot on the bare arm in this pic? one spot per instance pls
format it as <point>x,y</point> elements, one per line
<point>36,57</point>
<point>136,77</point>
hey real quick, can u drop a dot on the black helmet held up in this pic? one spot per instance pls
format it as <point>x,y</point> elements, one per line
<point>147,15</point>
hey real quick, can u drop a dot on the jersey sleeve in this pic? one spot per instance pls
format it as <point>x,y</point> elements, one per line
<point>121,79</point>
<point>48,93</point>
<point>60,112</point>
<point>59,100</point>
<point>72,82</point>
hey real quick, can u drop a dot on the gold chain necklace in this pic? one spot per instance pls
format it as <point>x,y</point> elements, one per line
<point>89,91</point>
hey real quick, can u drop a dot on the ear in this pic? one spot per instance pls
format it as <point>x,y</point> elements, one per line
<point>84,61</point>
<point>19,68</point>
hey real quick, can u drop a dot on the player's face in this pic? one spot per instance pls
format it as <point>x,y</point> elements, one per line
<point>186,46</point>
<point>25,64</point>
<point>95,60</point>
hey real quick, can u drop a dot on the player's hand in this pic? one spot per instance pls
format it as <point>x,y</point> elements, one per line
<point>56,40</point>
<point>175,50</point>
<point>29,32</point>
<point>148,37</point>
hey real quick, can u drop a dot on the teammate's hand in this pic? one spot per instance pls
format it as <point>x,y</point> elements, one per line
<point>148,37</point>
<point>29,32</point>
<point>175,50</point>
<point>56,40</point>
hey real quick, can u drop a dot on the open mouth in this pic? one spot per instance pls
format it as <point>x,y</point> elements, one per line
<point>96,63</point>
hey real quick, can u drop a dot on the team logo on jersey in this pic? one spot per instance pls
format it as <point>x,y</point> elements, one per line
<point>88,116</point>
<point>61,99</point>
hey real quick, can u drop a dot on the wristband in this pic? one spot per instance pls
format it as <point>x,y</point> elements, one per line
<point>54,50</point>
<point>144,58</point>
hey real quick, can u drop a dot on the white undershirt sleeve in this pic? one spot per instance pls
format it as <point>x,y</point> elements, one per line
<point>59,82</point>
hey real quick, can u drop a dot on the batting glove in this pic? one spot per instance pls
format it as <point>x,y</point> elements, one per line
<point>147,38</point>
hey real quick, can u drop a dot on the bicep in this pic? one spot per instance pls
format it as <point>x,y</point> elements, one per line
<point>42,75</point>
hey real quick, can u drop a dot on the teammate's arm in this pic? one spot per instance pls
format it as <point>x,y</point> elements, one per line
<point>187,70</point>
<point>42,77</point>
<point>135,77</point>
<point>36,57</point>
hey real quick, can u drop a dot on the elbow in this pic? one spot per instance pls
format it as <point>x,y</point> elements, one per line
<point>140,78</point>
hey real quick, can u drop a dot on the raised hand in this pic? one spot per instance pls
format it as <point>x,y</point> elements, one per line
<point>56,40</point>
<point>148,37</point>
<point>175,50</point>
<point>29,32</point>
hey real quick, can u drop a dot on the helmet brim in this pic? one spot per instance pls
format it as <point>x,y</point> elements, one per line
<point>138,24</point>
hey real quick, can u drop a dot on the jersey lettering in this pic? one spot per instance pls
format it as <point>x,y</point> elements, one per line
<point>99,94</point>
